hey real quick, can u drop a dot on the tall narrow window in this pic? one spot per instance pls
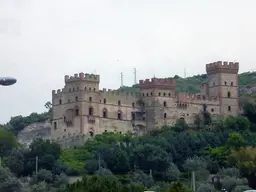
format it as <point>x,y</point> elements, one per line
<point>225,83</point>
<point>90,99</point>
<point>133,104</point>
<point>55,125</point>
<point>165,104</point>
<point>105,101</point>
<point>164,94</point>
<point>159,94</point>
<point>60,101</point>
<point>76,98</point>
<point>77,111</point>
<point>229,94</point>
<point>105,113</point>
<point>229,108</point>
<point>232,83</point>
<point>119,115</point>
<point>119,102</point>
<point>133,116</point>
<point>165,115</point>
<point>90,111</point>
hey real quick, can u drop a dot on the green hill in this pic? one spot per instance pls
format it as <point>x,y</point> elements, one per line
<point>192,84</point>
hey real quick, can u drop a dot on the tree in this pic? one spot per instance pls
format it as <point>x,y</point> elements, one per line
<point>180,125</point>
<point>8,182</point>
<point>178,187</point>
<point>249,110</point>
<point>7,141</point>
<point>236,140</point>
<point>15,162</point>
<point>245,160</point>
<point>206,188</point>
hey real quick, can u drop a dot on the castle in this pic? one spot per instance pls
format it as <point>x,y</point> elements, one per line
<point>81,108</point>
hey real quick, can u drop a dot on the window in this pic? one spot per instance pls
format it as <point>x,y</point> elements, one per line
<point>229,108</point>
<point>119,102</point>
<point>90,99</point>
<point>212,110</point>
<point>69,89</point>
<point>213,84</point>
<point>165,104</point>
<point>77,88</point>
<point>60,101</point>
<point>232,83</point>
<point>164,94</point>
<point>64,119</point>
<point>55,125</point>
<point>119,115</point>
<point>106,131</point>
<point>94,89</point>
<point>229,94</point>
<point>165,115</point>
<point>159,94</point>
<point>143,94</point>
<point>76,98</point>
<point>133,104</point>
<point>84,88</point>
<point>90,88</point>
<point>225,83</point>
<point>77,112</point>
<point>151,93</point>
<point>69,101</point>
<point>105,113</point>
<point>147,94</point>
<point>133,116</point>
<point>90,111</point>
<point>105,101</point>
<point>169,94</point>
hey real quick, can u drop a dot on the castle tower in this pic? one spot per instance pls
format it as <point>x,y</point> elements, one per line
<point>223,83</point>
<point>156,94</point>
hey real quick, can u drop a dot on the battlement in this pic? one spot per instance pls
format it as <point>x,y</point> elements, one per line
<point>160,83</point>
<point>58,92</point>
<point>118,93</point>
<point>222,67</point>
<point>82,76</point>
<point>195,98</point>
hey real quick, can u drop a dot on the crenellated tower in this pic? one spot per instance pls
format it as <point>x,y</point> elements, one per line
<point>223,83</point>
<point>156,94</point>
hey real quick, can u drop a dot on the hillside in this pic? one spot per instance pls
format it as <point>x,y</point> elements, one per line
<point>247,83</point>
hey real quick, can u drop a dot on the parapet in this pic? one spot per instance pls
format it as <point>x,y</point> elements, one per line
<point>160,83</point>
<point>58,92</point>
<point>222,67</point>
<point>82,76</point>
<point>111,92</point>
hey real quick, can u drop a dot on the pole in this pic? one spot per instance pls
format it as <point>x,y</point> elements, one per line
<point>135,76</point>
<point>122,76</point>
<point>150,173</point>
<point>193,181</point>
<point>36,164</point>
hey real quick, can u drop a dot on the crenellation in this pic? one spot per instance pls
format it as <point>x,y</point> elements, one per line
<point>82,77</point>
<point>222,67</point>
<point>160,83</point>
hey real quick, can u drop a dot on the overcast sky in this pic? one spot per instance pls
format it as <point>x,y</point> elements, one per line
<point>42,40</point>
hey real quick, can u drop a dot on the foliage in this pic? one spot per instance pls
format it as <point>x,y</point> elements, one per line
<point>7,141</point>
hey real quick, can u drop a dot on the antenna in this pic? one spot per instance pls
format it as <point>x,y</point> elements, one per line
<point>135,76</point>
<point>122,79</point>
<point>185,76</point>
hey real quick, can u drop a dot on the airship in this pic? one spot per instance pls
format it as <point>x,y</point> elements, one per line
<point>7,81</point>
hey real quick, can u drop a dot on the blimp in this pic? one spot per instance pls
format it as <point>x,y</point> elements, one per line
<point>7,81</point>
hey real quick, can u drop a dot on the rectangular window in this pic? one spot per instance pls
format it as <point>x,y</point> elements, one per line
<point>229,108</point>
<point>55,125</point>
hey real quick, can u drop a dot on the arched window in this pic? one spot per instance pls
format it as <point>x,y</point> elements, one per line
<point>85,88</point>
<point>164,94</point>
<point>159,94</point>
<point>229,108</point>
<point>105,101</point>
<point>169,94</point>
<point>90,88</point>
<point>76,98</point>
<point>225,83</point>
<point>90,111</point>
<point>94,89</point>
<point>229,94</point>
<point>119,115</point>
<point>77,88</point>
<point>165,104</point>
<point>105,113</point>
<point>232,83</point>
<point>147,94</point>
<point>133,104</point>
<point>90,99</point>
<point>151,93</point>
<point>165,115</point>
<point>143,94</point>
<point>119,102</point>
